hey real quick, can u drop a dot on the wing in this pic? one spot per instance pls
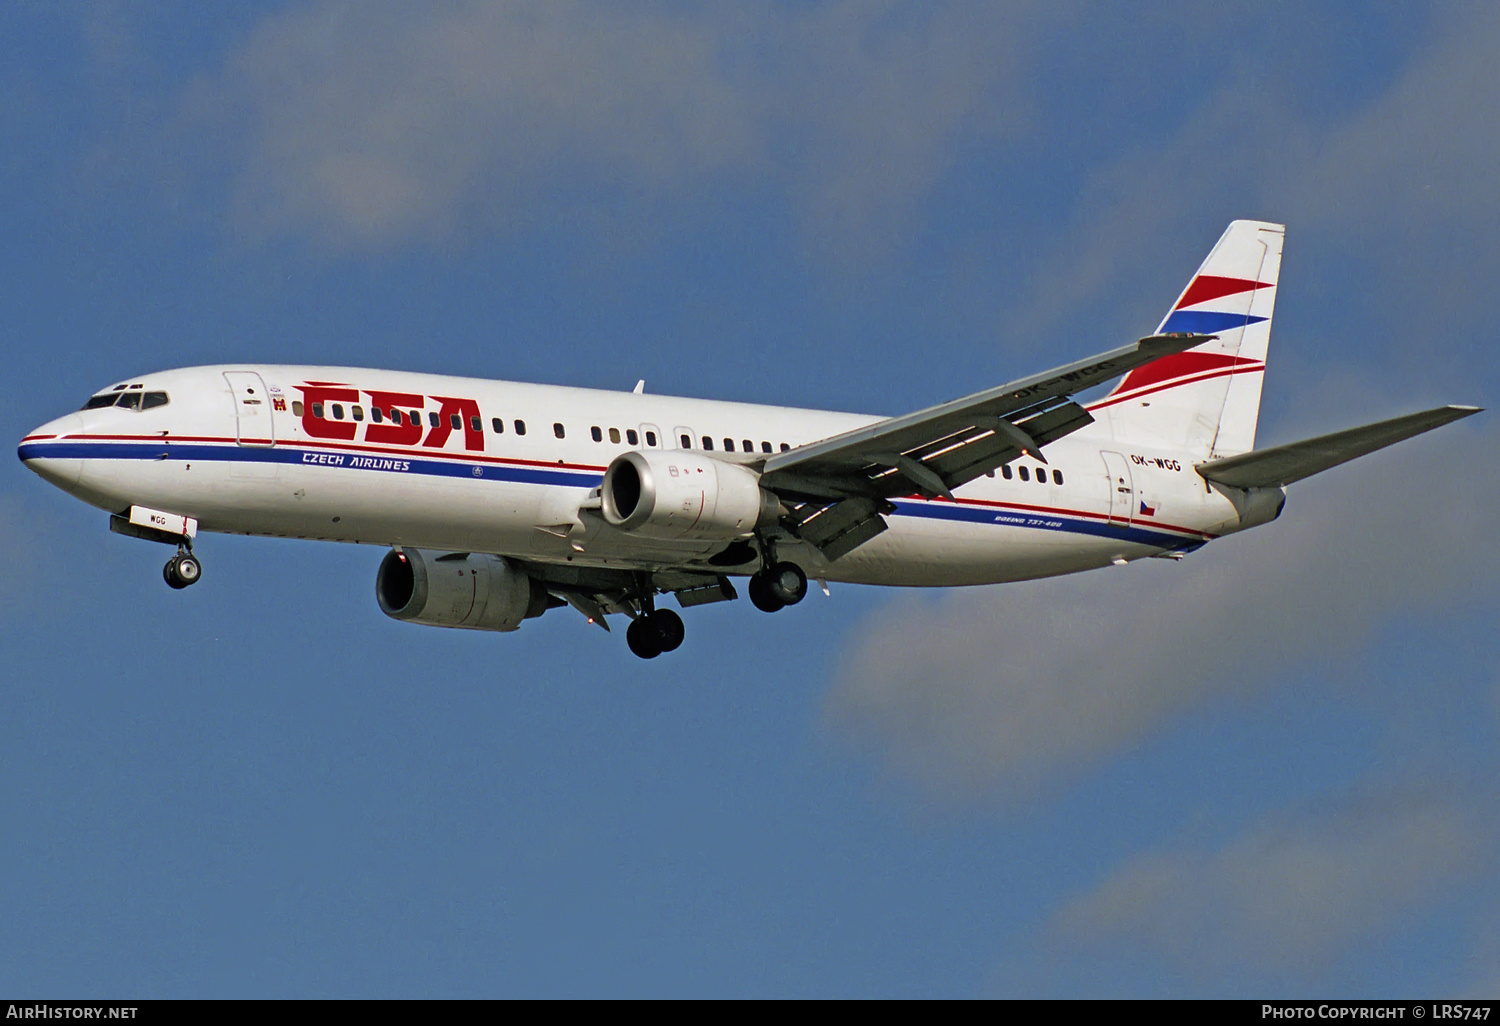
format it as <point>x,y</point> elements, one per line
<point>839,489</point>
<point>1288,463</point>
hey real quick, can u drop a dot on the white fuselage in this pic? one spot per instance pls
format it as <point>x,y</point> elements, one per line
<point>230,449</point>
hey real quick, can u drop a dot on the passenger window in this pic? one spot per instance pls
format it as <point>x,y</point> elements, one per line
<point>614,436</point>
<point>1005,471</point>
<point>785,447</point>
<point>396,416</point>
<point>375,415</point>
<point>765,446</point>
<point>747,445</point>
<point>338,411</point>
<point>729,445</point>
<point>596,434</point>
<point>455,422</point>
<point>358,411</point>
<point>687,443</point>
<point>520,427</point>
<point>632,438</point>
<point>432,418</point>
<point>557,429</point>
<point>498,425</point>
<point>415,416</point>
<point>1057,477</point>
<point>1041,475</point>
<point>708,443</point>
<point>131,400</point>
<point>318,410</point>
<point>296,407</point>
<point>475,424</point>
<point>1025,474</point>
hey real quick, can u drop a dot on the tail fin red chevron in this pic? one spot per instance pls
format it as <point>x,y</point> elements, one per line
<point>1207,400</point>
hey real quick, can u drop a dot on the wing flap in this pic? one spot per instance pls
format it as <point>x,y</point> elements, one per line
<point>840,527</point>
<point>983,452</point>
<point>1286,464</point>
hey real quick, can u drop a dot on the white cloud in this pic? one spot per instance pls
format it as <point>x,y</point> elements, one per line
<point>1399,188</point>
<point>1287,895</point>
<point>1417,157</point>
<point>372,125</point>
<point>1009,688</point>
<point>1012,687</point>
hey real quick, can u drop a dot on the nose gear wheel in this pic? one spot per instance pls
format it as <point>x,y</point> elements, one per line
<point>182,570</point>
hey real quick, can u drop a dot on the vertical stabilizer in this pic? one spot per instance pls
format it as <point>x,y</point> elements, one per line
<point>1206,400</point>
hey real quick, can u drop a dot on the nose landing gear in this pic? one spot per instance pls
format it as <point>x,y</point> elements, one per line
<point>182,570</point>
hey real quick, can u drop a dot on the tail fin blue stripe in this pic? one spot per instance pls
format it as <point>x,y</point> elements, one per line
<point>1206,322</point>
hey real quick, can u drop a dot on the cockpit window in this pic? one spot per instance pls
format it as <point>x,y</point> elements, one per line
<point>129,400</point>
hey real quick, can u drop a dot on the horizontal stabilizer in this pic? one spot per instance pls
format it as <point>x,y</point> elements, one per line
<point>1288,463</point>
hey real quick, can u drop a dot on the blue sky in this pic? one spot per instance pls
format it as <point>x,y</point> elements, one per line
<point>1266,770</point>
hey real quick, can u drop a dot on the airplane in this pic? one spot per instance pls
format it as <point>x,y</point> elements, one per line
<point>499,500</point>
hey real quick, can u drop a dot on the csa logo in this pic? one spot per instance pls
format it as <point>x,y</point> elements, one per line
<point>452,414</point>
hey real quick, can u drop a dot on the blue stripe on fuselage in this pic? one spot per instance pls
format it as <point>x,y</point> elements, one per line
<point>384,462</point>
<point>407,464</point>
<point>1043,522</point>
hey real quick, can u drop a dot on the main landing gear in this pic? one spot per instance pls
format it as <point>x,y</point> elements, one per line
<point>654,632</point>
<point>777,586</point>
<point>182,569</point>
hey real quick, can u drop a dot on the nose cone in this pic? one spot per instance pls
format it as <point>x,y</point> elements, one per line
<point>48,452</point>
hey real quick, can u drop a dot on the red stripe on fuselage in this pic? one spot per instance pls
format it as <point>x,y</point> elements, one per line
<point>1056,510</point>
<point>554,464</point>
<point>319,443</point>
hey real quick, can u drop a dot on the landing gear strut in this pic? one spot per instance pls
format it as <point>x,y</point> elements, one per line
<point>182,569</point>
<point>654,632</point>
<point>777,586</point>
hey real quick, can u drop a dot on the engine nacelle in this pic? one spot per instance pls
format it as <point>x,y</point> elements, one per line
<point>457,589</point>
<point>681,495</point>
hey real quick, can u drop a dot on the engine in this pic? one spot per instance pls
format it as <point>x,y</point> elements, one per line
<point>681,495</point>
<point>457,589</point>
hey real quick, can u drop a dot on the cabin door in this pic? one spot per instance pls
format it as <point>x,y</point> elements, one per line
<point>252,408</point>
